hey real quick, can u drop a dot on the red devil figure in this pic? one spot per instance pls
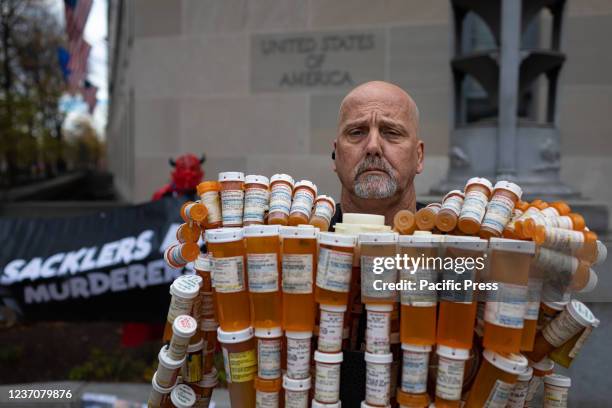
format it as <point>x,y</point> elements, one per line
<point>186,176</point>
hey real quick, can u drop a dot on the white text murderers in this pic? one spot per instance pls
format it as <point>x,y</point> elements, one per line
<point>424,284</point>
<point>414,263</point>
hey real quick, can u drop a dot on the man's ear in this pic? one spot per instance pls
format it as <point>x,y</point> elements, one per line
<point>420,156</point>
<point>334,157</point>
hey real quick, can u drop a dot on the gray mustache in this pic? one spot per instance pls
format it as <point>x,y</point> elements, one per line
<point>373,164</point>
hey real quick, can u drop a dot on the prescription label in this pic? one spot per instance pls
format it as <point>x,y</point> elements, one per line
<point>210,199</point>
<point>327,388</point>
<point>242,365</point>
<point>453,203</point>
<point>534,292</point>
<point>269,358</point>
<point>518,395</point>
<point>378,383</point>
<point>508,305</point>
<point>280,198</point>
<point>228,274</point>
<point>330,331</point>
<point>414,372</point>
<point>368,277</point>
<point>297,273</point>
<point>378,330</point>
<point>450,379</point>
<point>499,211</point>
<point>324,209</point>
<point>499,395</point>
<point>423,294</point>
<point>266,399</point>
<point>262,270</point>
<point>255,204</point>
<point>302,201</point>
<point>298,358</point>
<point>334,270</point>
<point>232,203</point>
<point>474,206</point>
<point>296,399</point>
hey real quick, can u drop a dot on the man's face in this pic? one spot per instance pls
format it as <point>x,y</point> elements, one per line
<point>377,149</point>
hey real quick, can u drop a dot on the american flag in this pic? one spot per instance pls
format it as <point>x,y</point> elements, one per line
<point>89,92</point>
<point>79,53</point>
<point>76,13</point>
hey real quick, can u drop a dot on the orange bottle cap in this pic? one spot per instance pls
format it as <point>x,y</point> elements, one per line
<point>205,186</point>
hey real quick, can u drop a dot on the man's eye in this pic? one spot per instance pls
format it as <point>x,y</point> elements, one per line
<point>356,132</point>
<point>391,132</point>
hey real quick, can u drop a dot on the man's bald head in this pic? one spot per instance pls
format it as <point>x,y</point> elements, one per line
<point>383,93</point>
<point>378,150</point>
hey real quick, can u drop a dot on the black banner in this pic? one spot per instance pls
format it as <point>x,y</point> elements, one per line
<point>107,266</point>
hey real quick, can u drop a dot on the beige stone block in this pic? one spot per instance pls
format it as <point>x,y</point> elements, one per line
<point>277,14</point>
<point>435,170</point>
<point>588,7</point>
<point>326,13</point>
<point>419,56</point>
<point>156,127</point>
<point>191,66</point>
<point>585,121</point>
<point>585,42</point>
<point>217,164</point>
<point>213,16</point>
<point>243,126</point>
<point>324,121</point>
<point>155,18</point>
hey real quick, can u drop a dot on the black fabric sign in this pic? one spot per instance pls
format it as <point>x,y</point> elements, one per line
<point>107,266</point>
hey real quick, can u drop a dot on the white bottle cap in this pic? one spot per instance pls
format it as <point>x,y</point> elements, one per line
<point>194,277</point>
<point>602,253</point>
<point>465,242</point>
<point>333,308</point>
<point>335,239</point>
<point>159,388</point>
<point>234,336</point>
<point>379,307</point>
<point>421,240</point>
<point>255,179</point>
<point>330,358</point>
<point>512,245</point>
<point>296,385</point>
<point>282,177</point>
<point>479,180</point>
<point>317,404</point>
<point>306,183</point>
<point>378,237</point>
<point>251,231</point>
<point>526,375</point>
<point>580,312</point>
<point>546,364</point>
<point>298,335</point>
<point>221,235</point>
<point>558,380</point>
<point>327,198</point>
<point>560,305</point>
<point>592,282</point>
<point>368,219</point>
<point>453,353</point>
<point>269,333</point>
<point>184,326</point>
<point>298,233</point>
<point>185,288</point>
<point>417,348</point>
<point>168,362</point>
<point>510,363</point>
<point>366,405</point>
<point>510,186</point>
<point>231,176</point>
<point>453,192</point>
<point>386,358</point>
<point>192,348</point>
<point>182,396</point>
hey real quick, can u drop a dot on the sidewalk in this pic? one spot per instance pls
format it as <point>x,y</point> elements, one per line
<point>131,392</point>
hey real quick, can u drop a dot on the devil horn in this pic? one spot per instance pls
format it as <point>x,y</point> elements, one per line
<point>202,158</point>
<point>172,162</point>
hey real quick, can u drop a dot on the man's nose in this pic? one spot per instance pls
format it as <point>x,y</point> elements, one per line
<point>374,144</point>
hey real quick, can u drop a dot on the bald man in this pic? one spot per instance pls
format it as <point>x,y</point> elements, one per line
<point>377,154</point>
<point>377,151</point>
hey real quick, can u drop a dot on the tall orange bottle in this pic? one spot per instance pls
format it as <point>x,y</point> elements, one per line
<point>299,267</point>
<point>226,245</point>
<point>263,269</point>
